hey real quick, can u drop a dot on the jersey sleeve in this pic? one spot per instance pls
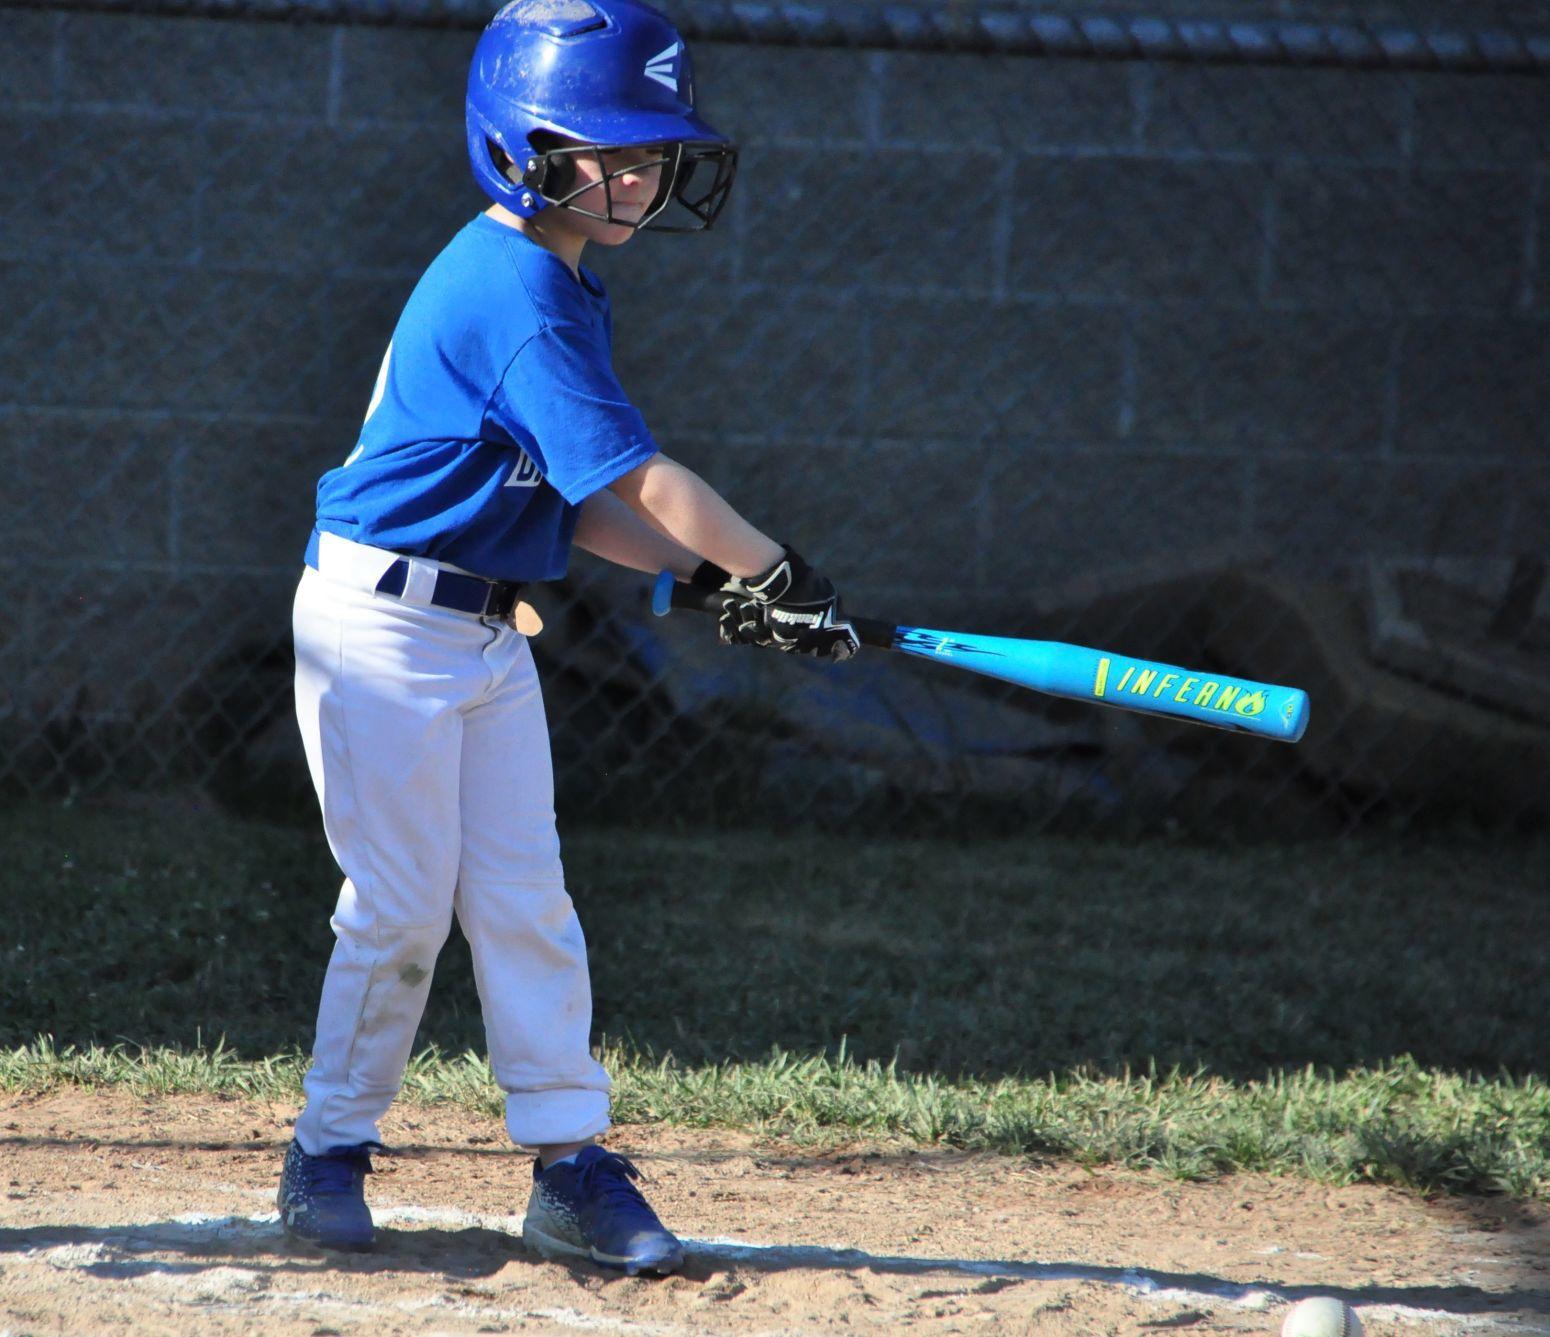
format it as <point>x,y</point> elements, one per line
<point>561,402</point>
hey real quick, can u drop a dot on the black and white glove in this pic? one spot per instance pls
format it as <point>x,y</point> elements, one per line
<point>739,622</point>
<point>793,608</point>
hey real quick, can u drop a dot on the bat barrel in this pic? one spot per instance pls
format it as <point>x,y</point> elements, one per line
<point>1082,674</point>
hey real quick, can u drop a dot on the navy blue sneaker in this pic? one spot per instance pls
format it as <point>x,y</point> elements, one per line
<point>589,1208</point>
<point>322,1199</point>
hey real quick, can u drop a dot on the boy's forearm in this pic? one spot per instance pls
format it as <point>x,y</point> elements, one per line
<point>686,510</point>
<point>608,528</point>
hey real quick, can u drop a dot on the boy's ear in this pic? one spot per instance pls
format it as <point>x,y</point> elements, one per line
<point>504,164</point>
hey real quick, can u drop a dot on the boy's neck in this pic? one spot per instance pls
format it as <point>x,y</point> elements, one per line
<point>558,240</point>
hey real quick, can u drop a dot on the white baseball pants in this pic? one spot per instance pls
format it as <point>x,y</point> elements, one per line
<point>425,734</point>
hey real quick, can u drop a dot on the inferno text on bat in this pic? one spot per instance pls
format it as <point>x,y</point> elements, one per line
<point>1186,689</point>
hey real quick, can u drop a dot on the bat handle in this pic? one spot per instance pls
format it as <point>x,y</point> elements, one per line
<point>669,593</point>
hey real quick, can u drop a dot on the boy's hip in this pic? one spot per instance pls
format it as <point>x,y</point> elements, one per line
<point>365,651</point>
<point>416,582</point>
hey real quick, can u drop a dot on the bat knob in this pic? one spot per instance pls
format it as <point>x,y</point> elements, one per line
<point>662,594</point>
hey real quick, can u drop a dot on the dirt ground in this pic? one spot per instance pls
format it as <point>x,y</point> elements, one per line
<point>157,1216</point>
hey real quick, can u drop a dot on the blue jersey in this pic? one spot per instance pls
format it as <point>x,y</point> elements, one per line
<point>495,414</point>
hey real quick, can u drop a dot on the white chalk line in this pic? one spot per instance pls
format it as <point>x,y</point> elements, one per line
<point>232,1286</point>
<point>1139,1280</point>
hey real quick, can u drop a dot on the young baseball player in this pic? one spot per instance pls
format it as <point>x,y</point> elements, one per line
<point>496,438</point>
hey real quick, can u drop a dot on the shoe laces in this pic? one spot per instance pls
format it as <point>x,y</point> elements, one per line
<point>609,1176</point>
<point>338,1173</point>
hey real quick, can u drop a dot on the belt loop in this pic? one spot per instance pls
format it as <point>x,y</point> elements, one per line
<point>420,583</point>
<point>352,563</point>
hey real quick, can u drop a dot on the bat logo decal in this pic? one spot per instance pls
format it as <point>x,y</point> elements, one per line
<point>943,647</point>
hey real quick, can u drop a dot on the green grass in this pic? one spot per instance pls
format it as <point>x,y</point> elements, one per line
<point>1342,1010</point>
<point>1399,1124</point>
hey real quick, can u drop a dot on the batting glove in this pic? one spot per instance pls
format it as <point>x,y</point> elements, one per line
<point>797,609</point>
<point>739,622</point>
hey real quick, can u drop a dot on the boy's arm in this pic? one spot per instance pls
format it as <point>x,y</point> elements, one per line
<point>777,598</point>
<point>686,510</point>
<point>608,528</point>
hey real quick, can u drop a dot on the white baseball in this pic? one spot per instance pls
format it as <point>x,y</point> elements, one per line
<point>1322,1316</point>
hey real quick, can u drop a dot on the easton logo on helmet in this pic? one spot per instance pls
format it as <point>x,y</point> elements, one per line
<point>663,67</point>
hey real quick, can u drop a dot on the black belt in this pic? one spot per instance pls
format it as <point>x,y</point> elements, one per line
<point>466,594</point>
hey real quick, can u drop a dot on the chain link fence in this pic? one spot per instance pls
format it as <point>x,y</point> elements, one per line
<point>1210,338</point>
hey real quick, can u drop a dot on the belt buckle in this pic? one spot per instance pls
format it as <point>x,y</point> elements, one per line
<point>499,599</point>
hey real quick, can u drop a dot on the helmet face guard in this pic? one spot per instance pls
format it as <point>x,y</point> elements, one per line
<point>695,176</point>
<point>553,79</point>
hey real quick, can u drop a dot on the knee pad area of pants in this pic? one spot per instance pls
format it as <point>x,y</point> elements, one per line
<point>539,901</point>
<point>410,950</point>
<point>410,957</point>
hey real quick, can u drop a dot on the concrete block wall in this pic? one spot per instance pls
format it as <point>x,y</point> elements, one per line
<point>1408,14</point>
<point>1030,318</point>
<point>1012,320</point>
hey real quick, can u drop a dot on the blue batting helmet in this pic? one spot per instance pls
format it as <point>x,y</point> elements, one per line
<point>601,74</point>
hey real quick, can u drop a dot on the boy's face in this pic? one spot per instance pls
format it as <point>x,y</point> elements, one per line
<point>631,191</point>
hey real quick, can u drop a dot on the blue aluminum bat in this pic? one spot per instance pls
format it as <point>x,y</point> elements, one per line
<point>1072,671</point>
